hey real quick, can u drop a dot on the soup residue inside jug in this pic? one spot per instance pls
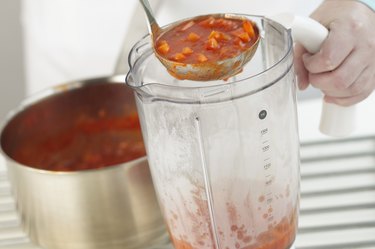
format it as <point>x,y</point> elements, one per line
<point>235,231</point>
<point>280,236</point>
<point>90,143</point>
<point>206,40</point>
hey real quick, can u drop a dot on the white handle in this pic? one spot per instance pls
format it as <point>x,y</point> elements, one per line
<point>335,120</point>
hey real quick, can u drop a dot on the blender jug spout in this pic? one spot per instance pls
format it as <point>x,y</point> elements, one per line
<point>142,91</point>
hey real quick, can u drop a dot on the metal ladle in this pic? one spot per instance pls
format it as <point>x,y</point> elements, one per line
<point>337,121</point>
<point>204,71</point>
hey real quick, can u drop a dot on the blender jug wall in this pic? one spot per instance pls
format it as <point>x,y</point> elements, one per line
<point>224,156</point>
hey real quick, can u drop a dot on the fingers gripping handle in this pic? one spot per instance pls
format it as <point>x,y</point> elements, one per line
<point>336,121</point>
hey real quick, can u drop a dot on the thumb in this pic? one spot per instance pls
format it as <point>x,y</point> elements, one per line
<point>301,72</point>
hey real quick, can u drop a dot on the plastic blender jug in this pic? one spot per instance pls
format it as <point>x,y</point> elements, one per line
<point>224,155</point>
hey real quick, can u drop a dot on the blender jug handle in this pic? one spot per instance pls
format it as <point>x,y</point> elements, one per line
<point>335,120</point>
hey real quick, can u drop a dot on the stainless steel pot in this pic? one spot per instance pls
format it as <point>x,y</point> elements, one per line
<point>108,208</point>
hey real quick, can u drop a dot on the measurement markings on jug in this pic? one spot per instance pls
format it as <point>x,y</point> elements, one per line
<point>267,166</point>
<point>268,169</point>
<point>269,180</point>
<point>269,198</point>
<point>266,148</point>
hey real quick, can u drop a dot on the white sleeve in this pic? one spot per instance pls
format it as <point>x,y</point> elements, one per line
<point>73,39</point>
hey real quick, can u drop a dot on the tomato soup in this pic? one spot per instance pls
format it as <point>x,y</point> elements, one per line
<point>91,142</point>
<point>206,40</point>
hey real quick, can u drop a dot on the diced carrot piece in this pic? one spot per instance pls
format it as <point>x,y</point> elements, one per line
<point>209,22</point>
<point>187,25</point>
<point>225,37</point>
<point>227,52</point>
<point>162,42</point>
<point>164,48</point>
<point>248,27</point>
<point>220,22</point>
<point>229,24</point>
<point>238,42</point>
<point>244,37</point>
<point>212,44</point>
<point>240,33</point>
<point>214,34</point>
<point>224,23</point>
<point>187,51</point>
<point>219,36</point>
<point>193,37</point>
<point>178,57</point>
<point>201,58</point>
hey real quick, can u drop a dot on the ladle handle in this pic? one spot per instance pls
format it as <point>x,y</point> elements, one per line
<point>154,26</point>
<point>336,121</point>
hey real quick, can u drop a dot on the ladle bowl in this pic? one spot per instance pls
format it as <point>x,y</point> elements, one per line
<point>203,71</point>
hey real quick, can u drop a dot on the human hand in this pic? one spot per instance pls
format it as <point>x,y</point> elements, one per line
<point>344,68</point>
